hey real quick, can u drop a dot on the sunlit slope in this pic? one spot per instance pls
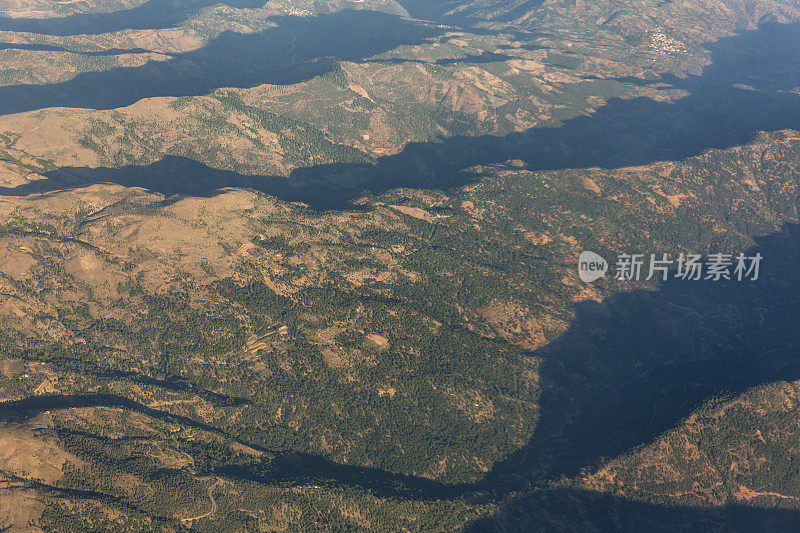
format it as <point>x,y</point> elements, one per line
<point>311,265</point>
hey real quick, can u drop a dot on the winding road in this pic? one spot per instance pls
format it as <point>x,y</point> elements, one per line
<point>190,521</point>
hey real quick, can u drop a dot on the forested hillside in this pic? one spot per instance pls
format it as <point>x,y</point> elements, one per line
<point>313,265</point>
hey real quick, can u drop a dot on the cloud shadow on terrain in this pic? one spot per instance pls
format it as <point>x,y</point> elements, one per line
<point>151,15</point>
<point>578,510</point>
<point>297,49</point>
<point>749,87</point>
<point>286,467</point>
<point>633,366</point>
<point>628,369</point>
<point>51,48</point>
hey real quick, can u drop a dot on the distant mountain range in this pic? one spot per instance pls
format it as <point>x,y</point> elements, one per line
<point>312,265</point>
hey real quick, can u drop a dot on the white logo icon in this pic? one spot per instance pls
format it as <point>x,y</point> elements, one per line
<point>591,267</point>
